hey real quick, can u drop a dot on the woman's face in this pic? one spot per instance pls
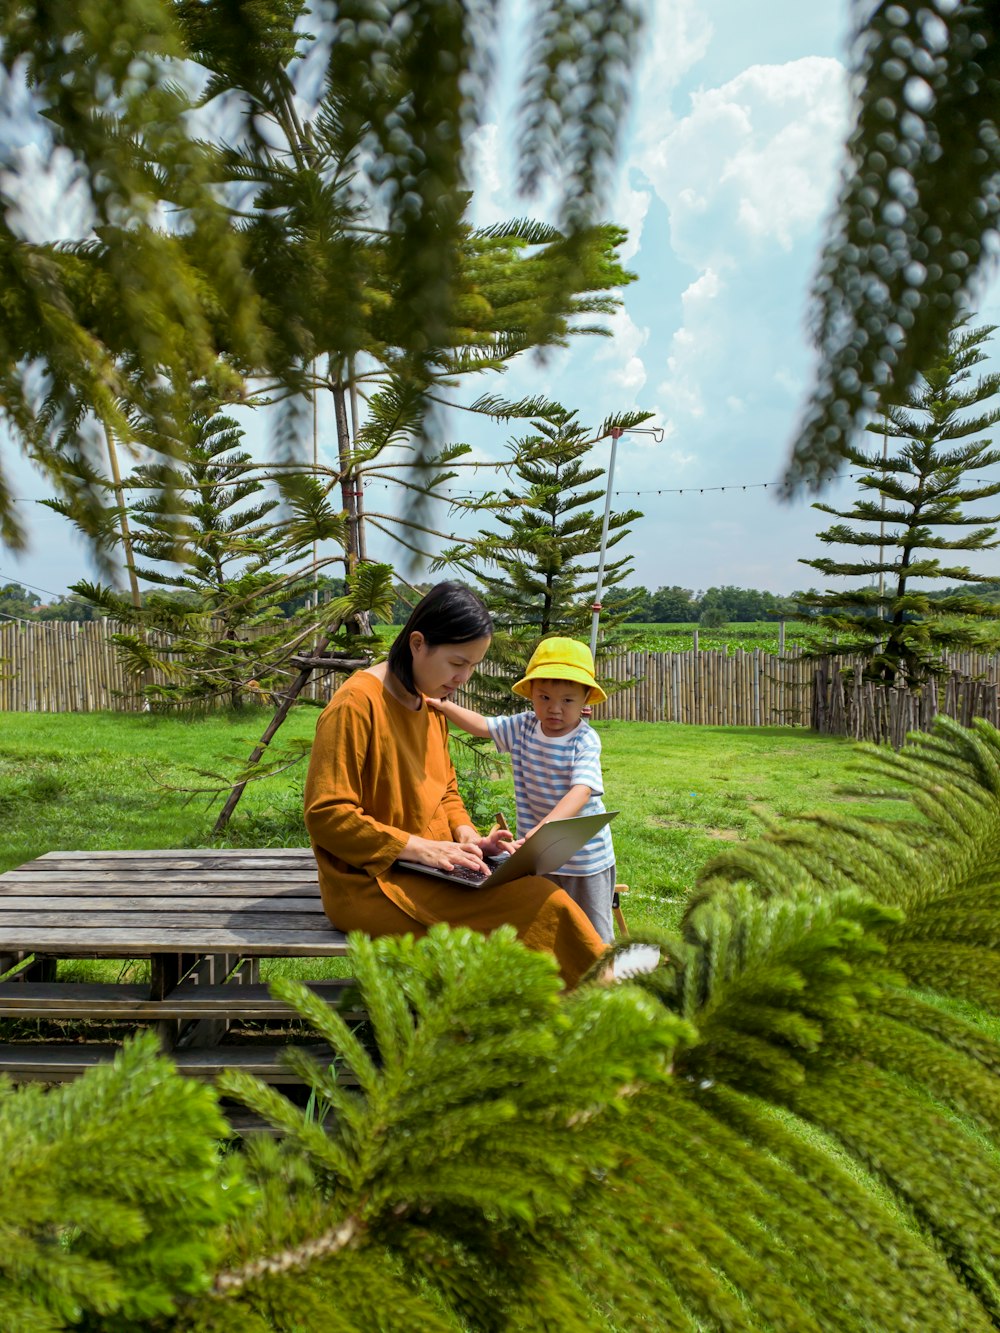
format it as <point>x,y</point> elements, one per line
<point>439,671</point>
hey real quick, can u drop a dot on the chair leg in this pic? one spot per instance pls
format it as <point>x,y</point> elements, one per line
<point>616,908</point>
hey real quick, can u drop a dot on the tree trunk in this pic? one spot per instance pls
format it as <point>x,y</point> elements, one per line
<point>349,489</point>
<point>281,712</point>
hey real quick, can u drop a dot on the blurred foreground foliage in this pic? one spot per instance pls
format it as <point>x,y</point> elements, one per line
<point>792,1124</point>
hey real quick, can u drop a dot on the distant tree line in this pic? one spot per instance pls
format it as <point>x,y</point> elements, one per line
<point>19,603</point>
<point>673,605</point>
<point>720,606</point>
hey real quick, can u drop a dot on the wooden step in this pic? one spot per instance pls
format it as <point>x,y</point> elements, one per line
<point>52,1062</point>
<point>85,1000</point>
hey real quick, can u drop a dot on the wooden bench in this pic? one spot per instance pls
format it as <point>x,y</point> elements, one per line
<point>203,918</point>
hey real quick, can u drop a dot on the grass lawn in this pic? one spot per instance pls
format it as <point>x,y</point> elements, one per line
<point>683,792</point>
<point>124,780</point>
<point>113,780</point>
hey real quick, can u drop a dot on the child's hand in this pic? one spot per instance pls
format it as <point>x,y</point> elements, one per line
<point>497,842</point>
<point>433,703</point>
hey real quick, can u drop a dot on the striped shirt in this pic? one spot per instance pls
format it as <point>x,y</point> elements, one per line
<point>545,768</point>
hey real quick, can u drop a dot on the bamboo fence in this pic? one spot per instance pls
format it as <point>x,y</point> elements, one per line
<point>710,688</point>
<point>66,667</point>
<point>843,704</point>
<point>60,666</point>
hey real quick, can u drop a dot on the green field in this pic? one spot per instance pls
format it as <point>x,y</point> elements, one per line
<point>679,637</point>
<point>112,780</point>
<point>737,637</point>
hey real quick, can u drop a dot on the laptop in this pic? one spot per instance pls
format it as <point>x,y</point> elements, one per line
<point>545,851</point>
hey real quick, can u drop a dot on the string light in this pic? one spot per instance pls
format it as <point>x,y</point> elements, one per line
<point>463,494</point>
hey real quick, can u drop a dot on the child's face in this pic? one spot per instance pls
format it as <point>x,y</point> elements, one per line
<point>558,705</point>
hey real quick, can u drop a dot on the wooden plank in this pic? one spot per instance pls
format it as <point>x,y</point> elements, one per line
<point>169,918</point>
<point>130,942</point>
<point>276,891</point>
<point>91,1000</point>
<point>170,882</point>
<point>64,999</point>
<point>168,864</point>
<point>53,1062</point>
<point>192,904</point>
<point>212,871</point>
<point>252,855</point>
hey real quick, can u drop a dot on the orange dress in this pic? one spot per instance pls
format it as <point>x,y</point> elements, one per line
<point>379,772</point>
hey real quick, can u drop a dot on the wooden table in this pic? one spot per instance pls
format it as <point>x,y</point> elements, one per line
<point>203,918</point>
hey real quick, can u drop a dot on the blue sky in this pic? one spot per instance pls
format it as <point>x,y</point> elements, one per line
<point>727,173</point>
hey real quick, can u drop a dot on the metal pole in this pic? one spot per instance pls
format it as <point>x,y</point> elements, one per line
<point>615,433</point>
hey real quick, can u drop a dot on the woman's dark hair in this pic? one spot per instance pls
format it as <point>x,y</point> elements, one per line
<point>449,613</point>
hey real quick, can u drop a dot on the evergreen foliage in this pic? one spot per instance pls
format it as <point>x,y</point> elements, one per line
<point>226,561</point>
<point>793,1124</point>
<point>537,569</point>
<point>212,553</point>
<point>924,495</point>
<point>114,1196</point>
<point>344,315</point>
<point>311,165</point>
<point>917,206</point>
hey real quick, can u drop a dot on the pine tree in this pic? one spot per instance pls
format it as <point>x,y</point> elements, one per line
<point>925,490</point>
<point>538,570</point>
<point>316,165</point>
<point>223,558</point>
<point>114,1196</point>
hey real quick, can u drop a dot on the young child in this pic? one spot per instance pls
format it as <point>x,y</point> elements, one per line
<point>556,757</point>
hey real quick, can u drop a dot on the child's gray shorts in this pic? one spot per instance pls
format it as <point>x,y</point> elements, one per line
<point>593,893</point>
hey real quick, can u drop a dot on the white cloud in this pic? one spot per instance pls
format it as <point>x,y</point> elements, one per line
<point>49,194</point>
<point>629,208</point>
<point>681,387</point>
<point>705,288</point>
<point>788,381</point>
<point>679,460</point>
<point>745,177</point>
<point>754,158</point>
<point>484,150</point>
<point>677,36</point>
<point>623,347</point>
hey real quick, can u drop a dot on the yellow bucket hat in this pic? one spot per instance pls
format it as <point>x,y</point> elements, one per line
<point>561,659</point>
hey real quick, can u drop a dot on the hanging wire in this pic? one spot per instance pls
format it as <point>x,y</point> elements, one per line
<point>461,492</point>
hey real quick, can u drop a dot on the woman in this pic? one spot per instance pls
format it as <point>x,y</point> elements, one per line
<point>381,786</point>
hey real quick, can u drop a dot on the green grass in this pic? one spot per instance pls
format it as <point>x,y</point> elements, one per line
<point>677,637</point>
<point>740,636</point>
<point>684,792</point>
<point>126,780</point>
<point>108,781</point>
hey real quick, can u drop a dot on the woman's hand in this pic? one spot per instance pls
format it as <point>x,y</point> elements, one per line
<point>444,855</point>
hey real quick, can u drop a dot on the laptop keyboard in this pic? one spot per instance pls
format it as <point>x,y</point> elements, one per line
<point>477,876</point>
<point>467,873</point>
